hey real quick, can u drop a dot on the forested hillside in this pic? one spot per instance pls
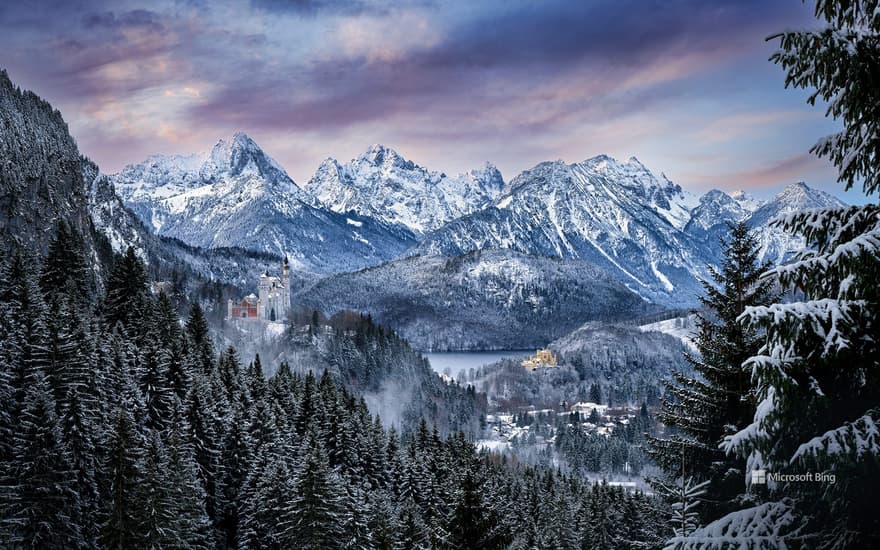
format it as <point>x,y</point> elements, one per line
<point>149,439</point>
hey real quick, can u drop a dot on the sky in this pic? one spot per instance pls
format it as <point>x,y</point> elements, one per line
<point>684,86</point>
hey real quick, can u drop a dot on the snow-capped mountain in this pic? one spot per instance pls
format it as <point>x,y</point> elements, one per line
<point>709,220</point>
<point>746,200</point>
<point>122,228</point>
<point>617,215</point>
<point>236,195</point>
<point>383,185</point>
<point>650,234</point>
<point>776,245</point>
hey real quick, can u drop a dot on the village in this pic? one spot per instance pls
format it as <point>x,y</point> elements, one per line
<point>543,436</point>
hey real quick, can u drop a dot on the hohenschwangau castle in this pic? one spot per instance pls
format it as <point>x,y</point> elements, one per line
<point>273,302</point>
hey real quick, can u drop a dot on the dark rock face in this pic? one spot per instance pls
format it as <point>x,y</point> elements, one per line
<point>41,177</point>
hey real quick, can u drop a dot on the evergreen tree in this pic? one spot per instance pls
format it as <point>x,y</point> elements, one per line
<point>414,534</point>
<point>471,525</point>
<point>235,462</point>
<point>80,434</point>
<point>191,527</point>
<point>155,498</point>
<point>595,393</point>
<point>382,523</point>
<point>45,509</point>
<point>317,512</point>
<point>717,400</point>
<point>64,269</point>
<point>124,470</point>
<point>201,350</point>
<point>127,300</point>
<point>817,376</point>
<point>155,387</point>
<point>268,520</point>
<point>201,413</point>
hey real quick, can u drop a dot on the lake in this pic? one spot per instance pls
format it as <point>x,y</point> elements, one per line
<point>454,362</point>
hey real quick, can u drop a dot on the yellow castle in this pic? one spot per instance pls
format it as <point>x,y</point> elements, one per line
<point>541,358</point>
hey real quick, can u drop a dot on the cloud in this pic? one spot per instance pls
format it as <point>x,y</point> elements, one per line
<point>794,168</point>
<point>109,20</point>
<point>512,81</point>
<point>729,127</point>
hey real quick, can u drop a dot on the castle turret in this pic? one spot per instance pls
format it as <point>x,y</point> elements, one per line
<point>285,271</point>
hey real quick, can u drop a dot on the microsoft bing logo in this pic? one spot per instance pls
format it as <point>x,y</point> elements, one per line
<point>761,477</point>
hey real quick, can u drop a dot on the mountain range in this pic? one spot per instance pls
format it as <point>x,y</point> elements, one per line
<point>647,232</point>
<point>467,260</point>
<point>387,187</point>
<point>237,196</point>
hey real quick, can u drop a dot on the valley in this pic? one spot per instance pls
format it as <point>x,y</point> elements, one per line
<point>439,275</point>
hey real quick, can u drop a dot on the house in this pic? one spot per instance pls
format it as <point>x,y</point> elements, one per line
<point>245,309</point>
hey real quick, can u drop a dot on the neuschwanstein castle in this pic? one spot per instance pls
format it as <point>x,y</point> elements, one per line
<point>273,302</point>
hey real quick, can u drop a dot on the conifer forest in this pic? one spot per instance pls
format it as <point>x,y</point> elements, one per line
<point>227,350</point>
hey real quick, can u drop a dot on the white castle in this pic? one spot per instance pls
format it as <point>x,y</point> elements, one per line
<point>273,302</point>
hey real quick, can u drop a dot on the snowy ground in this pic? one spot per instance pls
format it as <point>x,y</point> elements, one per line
<point>682,328</point>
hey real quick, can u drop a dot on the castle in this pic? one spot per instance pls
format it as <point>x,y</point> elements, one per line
<point>542,358</point>
<point>273,302</point>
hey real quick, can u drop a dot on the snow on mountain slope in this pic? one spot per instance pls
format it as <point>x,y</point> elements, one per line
<point>41,180</point>
<point>683,328</point>
<point>709,222</point>
<point>617,215</point>
<point>383,185</point>
<point>775,245</point>
<point>122,228</point>
<point>746,200</point>
<point>646,231</point>
<point>491,299</point>
<point>236,195</point>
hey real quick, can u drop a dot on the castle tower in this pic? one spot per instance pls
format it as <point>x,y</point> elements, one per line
<point>285,287</point>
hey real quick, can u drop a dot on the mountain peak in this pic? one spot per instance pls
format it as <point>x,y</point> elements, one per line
<point>635,162</point>
<point>378,155</point>
<point>797,186</point>
<point>241,155</point>
<point>384,185</point>
<point>600,161</point>
<point>716,195</point>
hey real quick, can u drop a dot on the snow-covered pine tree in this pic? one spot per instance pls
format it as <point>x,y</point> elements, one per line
<point>127,300</point>
<point>470,526</point>
<point>124,472</point>
<point>382,522</point>
<point>80,433</point>
<point>356,516</point>
<point>317,513</point>
<point>413,533</point>
<point>686,495</point>
<point>155,387</point>
<point>65,266</point>
<point>200,351</point>
<point>267,520</point>
<point>156,498</point>
<point>717,399</point>
<point>818,373</point>
<point>235,461</point>
<point>45,508</point>
<point>191,527</point>
<point>201,415</point>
